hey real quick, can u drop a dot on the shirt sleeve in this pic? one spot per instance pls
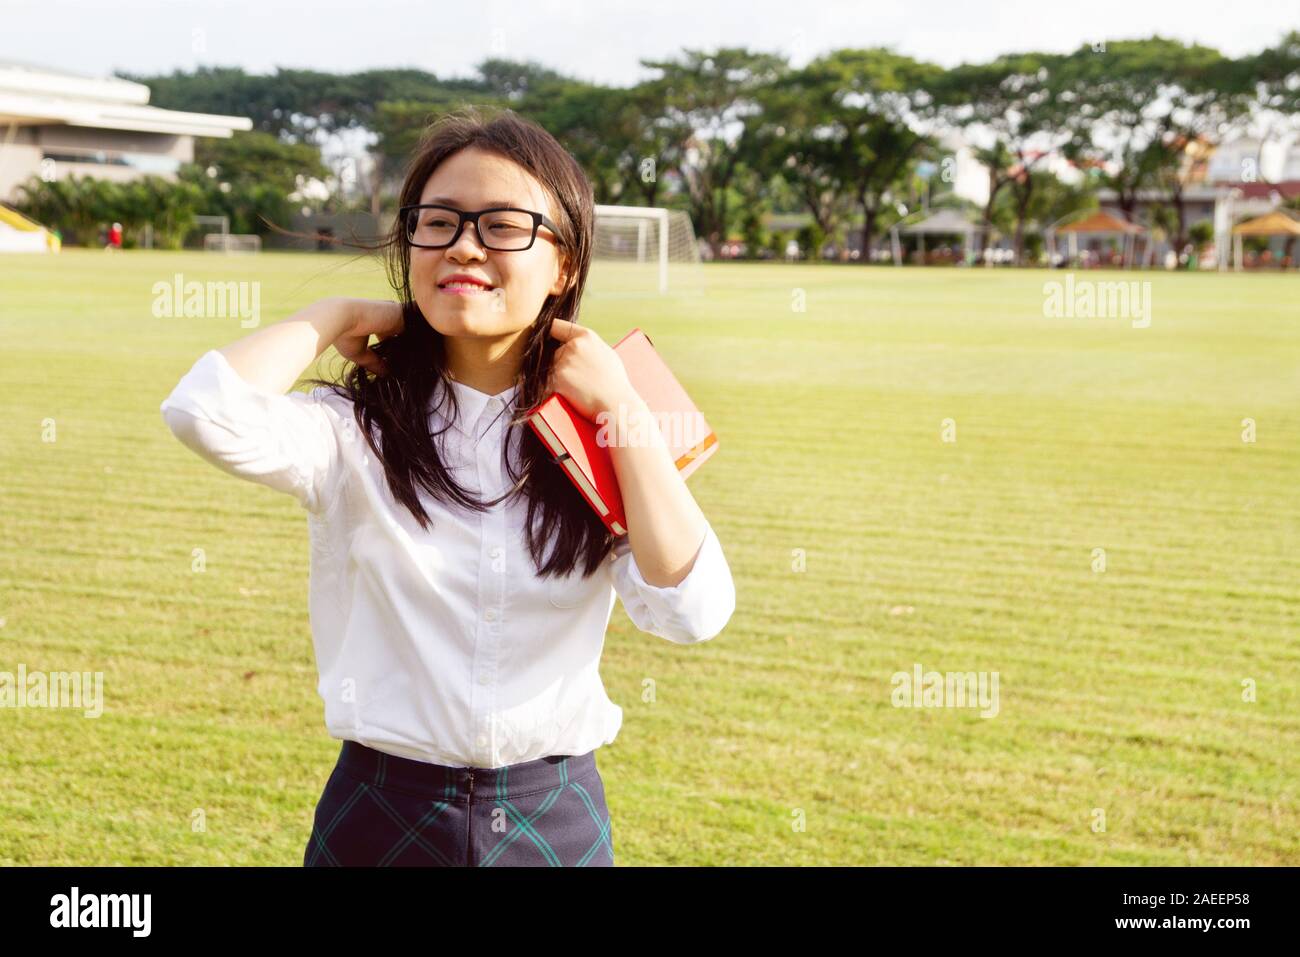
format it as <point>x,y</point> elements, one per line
<point>695,609</point>
<point>286,442</point>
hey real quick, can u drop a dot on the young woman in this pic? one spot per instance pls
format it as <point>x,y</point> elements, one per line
<point>460,585</point>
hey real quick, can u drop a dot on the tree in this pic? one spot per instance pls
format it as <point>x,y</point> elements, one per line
<point>167,207</point>
<point>1138,105</point>
<point>63,204</point>
<point>1009,104</point>
<point>610,132</point>
<point>709,100</point>
<point>793,137</point>
<point>875,97</point>
<point>298,105</point>
<point>1273,78</point>
<point>260,158</point>
<point>398,126</point>
<point>1043,200</point>
<point>1274,75</point>
<point>79,205</point>
<point>307,106</point>
<point>512,81</point>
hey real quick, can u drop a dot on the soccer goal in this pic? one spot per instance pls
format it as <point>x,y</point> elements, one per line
<point>647,239</point>
<point>219,238</point>
<point>232,243</point>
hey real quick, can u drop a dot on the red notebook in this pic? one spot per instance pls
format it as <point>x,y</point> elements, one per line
<point>575,443</point>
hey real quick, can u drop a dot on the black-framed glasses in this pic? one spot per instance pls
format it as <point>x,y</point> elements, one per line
<point>501,228</point>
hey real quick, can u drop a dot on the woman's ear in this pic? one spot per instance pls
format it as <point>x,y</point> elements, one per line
<point>561,279</point>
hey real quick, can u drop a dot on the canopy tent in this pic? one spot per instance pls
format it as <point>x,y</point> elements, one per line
<point>1276,223</point>
<point>1098,222</point>
<point>943,222</point>
<point>18,234</point>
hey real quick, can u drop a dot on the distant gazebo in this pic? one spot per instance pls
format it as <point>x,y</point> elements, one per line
<point>1098,222</point>
<point>943,222</point>
<point>1276,223</point>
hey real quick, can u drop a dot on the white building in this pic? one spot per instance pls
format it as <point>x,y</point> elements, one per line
<point>1250,160</point>
<point>55,124</point>
<point>969,177</point>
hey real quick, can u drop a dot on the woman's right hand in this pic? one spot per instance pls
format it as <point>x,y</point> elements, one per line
<point>377,317</point>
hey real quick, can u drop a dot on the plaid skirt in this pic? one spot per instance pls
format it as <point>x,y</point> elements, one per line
<point>381,810</point>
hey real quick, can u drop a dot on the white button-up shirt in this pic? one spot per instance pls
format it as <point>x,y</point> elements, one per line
<point>441,645</point>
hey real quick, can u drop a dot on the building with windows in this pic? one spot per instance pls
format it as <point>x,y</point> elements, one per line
<point>55,124</point>
<point>1222,184</point>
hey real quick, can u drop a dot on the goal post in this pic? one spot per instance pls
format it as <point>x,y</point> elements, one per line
<point>232,243</point>
<point>222,224</point>
<point>222,240</point>
<point>648,235</point>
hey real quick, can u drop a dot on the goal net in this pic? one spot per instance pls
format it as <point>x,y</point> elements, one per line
<point>232,243</point>
<point>644,249</point>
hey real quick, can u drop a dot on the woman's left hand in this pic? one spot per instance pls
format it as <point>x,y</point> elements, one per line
<point>587,371</point>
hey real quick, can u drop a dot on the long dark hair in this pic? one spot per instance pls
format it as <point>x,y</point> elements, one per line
<point>392,410</point>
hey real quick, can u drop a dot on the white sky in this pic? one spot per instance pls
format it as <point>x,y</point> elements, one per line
<point>600,40</point>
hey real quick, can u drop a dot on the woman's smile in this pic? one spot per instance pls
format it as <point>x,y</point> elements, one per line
<point>464,289</point>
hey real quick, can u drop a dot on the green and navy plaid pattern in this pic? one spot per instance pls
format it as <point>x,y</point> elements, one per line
<point>380,810</point>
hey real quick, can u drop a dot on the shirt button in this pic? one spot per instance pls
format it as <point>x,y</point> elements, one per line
<point>482,741</point>
<point>483,679</point>
<point>490,614</point>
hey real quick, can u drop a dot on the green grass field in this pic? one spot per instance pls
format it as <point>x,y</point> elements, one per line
<point>1120,691</point>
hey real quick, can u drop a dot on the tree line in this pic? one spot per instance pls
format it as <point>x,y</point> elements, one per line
<point>851,139</point>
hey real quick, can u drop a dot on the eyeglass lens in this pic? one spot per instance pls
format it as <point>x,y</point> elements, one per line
<point>503,229</point>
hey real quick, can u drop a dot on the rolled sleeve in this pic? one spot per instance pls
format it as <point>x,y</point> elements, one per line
<point>695,609</point>
<point>286,442</point>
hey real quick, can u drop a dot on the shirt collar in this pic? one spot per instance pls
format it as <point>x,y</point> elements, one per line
<point>471,404</point>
